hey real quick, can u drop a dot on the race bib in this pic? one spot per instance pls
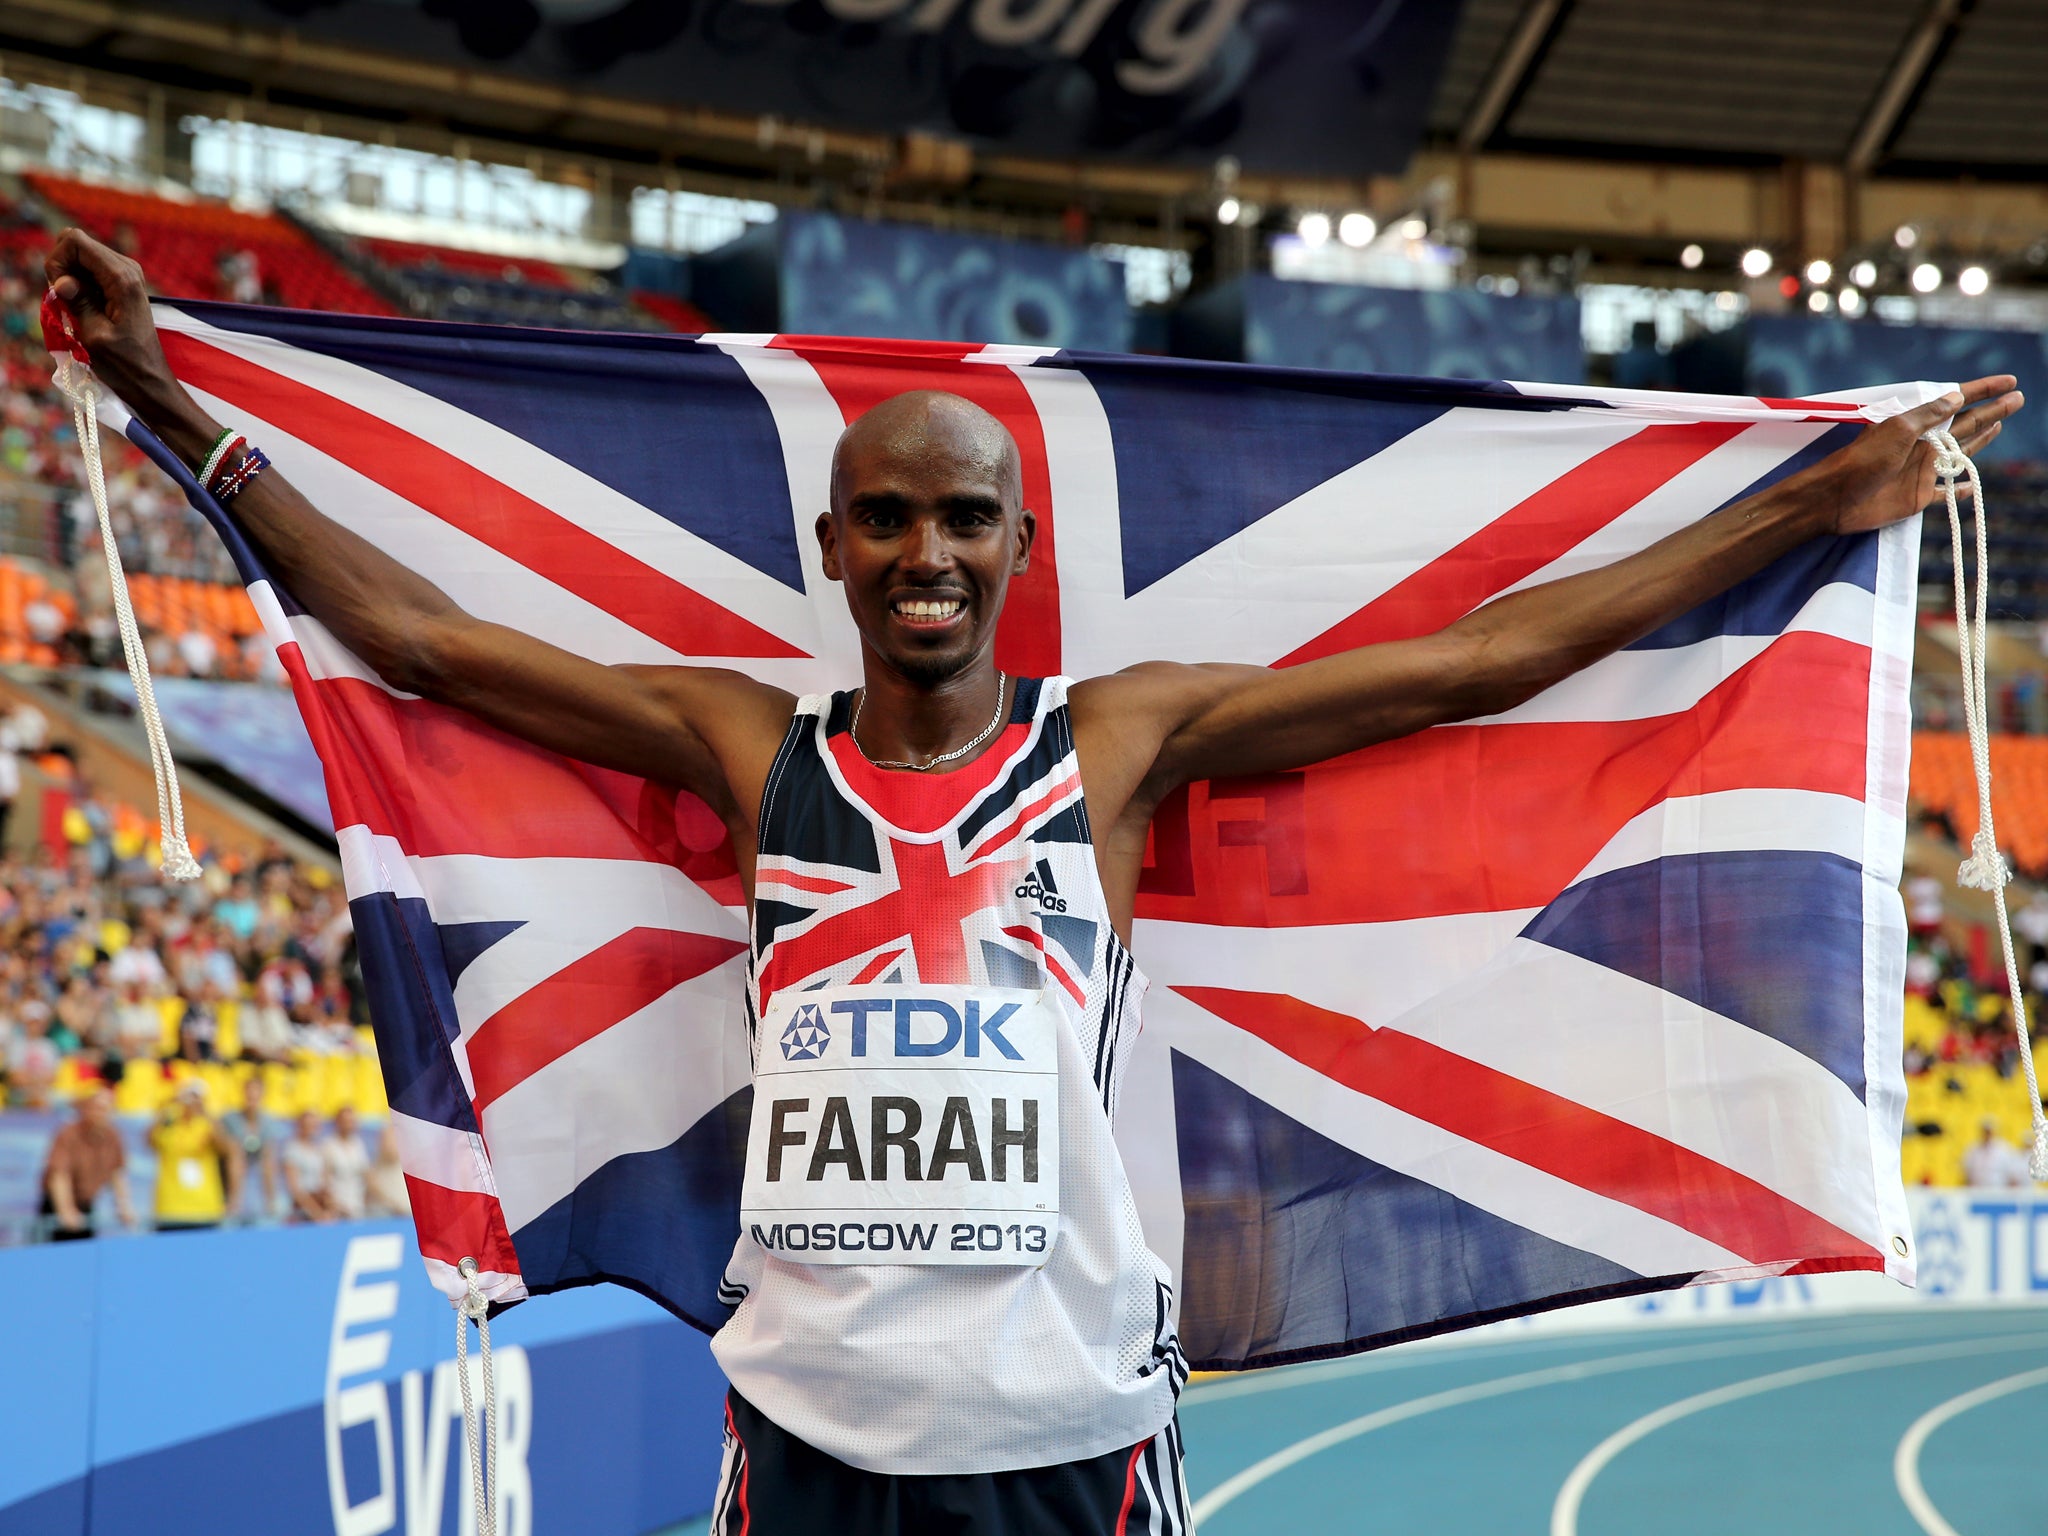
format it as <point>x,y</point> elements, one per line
<point>906,1125</point>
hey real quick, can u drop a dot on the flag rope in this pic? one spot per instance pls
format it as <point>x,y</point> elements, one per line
<point>77,384</point>
<point>483,1489</point>
<point>1985,869</point>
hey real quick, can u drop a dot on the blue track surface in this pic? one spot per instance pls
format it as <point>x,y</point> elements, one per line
<point>1787,1427</point>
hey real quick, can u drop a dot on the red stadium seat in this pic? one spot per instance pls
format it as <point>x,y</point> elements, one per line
<point>181,243</point>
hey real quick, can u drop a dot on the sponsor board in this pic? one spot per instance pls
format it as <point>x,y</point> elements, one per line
<point>303,1380</point>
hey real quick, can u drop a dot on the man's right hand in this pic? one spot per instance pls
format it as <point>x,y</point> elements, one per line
<point>109,300</point>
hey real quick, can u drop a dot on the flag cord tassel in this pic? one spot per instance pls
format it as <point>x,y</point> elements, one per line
<point>1985,869</point>
<point>483,1489</point>
<point>77,384</point>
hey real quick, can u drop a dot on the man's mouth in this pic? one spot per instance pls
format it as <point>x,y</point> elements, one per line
<point>928,610</point>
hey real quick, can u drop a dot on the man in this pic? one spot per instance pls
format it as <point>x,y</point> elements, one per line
<point>305,1171</point>
<point>86,1156</point>
<point>1011,1365</point>
<point>252,1136</point>
<point>1992,1162</point>
<point>199,1170</point>
<point>348,1167</point>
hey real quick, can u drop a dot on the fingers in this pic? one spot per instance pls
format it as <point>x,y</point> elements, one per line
<point>1924,418</point>
<point>1988,386</point>
<point>1995,398</point>
<point>1977,440</point>
<point>1980,416</point>
<point>86,273</point>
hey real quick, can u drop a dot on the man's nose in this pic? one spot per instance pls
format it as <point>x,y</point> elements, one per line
<point>926,549</point>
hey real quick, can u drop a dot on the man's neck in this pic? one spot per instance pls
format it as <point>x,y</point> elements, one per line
<point>904,721</point>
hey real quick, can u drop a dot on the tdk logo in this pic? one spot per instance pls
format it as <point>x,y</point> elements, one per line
<point>1038,886</point>
<point>923,1026</point>
<point>805,1036</point>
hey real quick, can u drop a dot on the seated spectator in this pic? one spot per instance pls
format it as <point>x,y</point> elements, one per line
<point>198,1168</point>
<point>237,912</point>
<point>1995,1163</point>
<point>304,1161</point>
<point>81,1016</point>
<point>252,1135</point>
<point>197,1031</point>
<point>136,1028</point>
<point>388,1195</point>
<point>86,1156</point>
<point>32,1056</point>
<point>348,1167</point>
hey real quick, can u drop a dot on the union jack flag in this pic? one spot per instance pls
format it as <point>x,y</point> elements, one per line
<point>1598,996</point>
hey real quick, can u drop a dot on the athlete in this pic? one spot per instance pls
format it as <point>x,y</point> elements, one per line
<point>945,1315</point>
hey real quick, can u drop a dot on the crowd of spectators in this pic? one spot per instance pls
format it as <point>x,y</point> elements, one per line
<point>171,1003</point>
<point>48,521</point>
<point>1967,1119</point>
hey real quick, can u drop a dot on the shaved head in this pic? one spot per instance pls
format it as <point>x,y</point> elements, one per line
<point>922,425</point>
<point>926,528</point>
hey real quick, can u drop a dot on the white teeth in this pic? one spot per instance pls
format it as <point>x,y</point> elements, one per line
<point>917,609</point>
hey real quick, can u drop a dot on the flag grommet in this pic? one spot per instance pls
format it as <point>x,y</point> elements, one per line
<point>1899,1246</point>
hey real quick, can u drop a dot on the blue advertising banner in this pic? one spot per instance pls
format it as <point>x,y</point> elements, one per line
<point>1316,87</point>
<point>1452,333</point>
<point>301,1381</point>
<point>1792,356</point>
<point>253,730</point>
<point>851,277</point>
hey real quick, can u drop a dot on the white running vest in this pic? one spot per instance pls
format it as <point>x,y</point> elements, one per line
<point>940,891</point>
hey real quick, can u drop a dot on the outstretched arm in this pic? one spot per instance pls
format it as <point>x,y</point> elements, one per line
<point>701,728</point>
<point>1207,721</point>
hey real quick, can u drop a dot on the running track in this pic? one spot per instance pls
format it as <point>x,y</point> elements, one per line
<point>1910,1423</point>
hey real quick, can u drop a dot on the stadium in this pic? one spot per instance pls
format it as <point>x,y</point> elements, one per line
<point>1481,974</point>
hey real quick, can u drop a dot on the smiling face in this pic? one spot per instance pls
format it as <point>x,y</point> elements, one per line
<point>926,529</point>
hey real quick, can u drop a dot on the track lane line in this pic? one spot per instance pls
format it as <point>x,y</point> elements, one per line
<point>1564,1512</point>
<point>1241,1483</point>
<point>1906,1459</point>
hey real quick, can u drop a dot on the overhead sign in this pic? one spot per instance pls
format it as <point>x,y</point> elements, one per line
<point>1319,87</point>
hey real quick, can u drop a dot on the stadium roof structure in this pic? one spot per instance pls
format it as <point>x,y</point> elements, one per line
<point>1910,87</point>
<point>1901,87</point>
<point>1613,130</point>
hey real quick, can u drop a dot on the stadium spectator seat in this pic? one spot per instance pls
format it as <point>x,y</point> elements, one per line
<point>182,245</point>
<point>1942,781</point>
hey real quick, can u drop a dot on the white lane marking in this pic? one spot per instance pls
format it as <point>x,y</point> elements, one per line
<point>1564,1513</point>
<point>1258,1472</point>
<point>1906,1460</point>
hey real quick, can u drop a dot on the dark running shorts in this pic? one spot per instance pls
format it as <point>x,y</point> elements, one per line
<point>773,1484</point>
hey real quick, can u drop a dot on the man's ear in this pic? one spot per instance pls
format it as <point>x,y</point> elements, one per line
<point>828,546</point>
<point>1027,534</point>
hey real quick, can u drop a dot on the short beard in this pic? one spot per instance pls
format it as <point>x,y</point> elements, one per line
<point>928,671</point>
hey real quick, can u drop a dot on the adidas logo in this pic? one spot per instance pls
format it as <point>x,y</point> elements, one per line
<point>1039,886</point>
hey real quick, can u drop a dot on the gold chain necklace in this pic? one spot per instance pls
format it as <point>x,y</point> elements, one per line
<point>994,720</point>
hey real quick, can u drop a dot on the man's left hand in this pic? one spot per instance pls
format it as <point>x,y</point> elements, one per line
<point>1887,474</point>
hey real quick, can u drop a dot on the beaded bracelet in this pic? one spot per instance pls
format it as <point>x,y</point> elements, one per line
<point>217,455</point>
<point>254,462</point>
